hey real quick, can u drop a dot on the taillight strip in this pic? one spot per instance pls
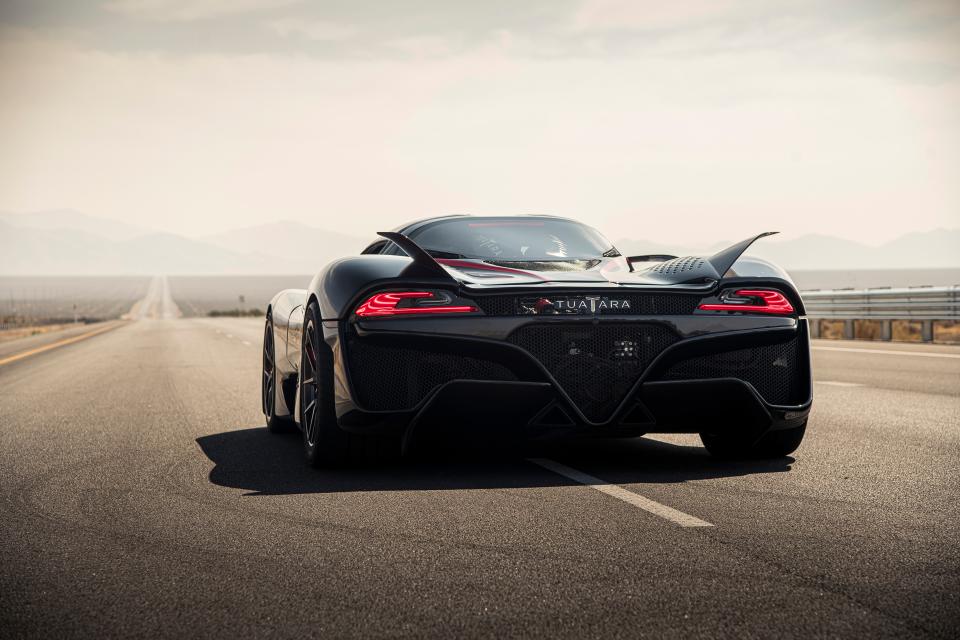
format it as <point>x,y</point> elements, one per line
<point>385,304</point>
<point>773,302</point>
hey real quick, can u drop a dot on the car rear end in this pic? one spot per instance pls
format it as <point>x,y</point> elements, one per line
<point>605,360</point>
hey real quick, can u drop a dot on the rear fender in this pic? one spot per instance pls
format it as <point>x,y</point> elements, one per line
<point>287,306</point>
<point>285,309</point>
<point>337,287</point>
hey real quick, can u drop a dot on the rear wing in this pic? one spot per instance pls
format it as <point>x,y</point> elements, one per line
<point>722,261</point>
<point>424,265</point>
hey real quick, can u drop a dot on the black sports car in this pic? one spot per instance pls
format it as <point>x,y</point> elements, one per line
<point>537,324</point>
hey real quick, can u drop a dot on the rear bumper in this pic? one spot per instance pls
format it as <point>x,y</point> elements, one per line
<point>686,388</point>
<point>536,410</point>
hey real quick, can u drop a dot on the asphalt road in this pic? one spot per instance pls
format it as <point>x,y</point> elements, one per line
<point>140,495</point>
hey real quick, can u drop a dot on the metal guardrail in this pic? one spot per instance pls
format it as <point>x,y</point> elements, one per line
<point>913,303</point>
<point>886,305</point>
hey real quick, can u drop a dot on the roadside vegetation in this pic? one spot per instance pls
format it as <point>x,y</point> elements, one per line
<point>944,331</point>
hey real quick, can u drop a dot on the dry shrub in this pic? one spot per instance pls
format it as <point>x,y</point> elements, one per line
<point>907,331</point>
<point>831,329</point>
<point>866,329</point>
<point>947,331</point>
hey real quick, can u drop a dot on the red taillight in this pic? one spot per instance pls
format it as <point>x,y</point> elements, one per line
<point>387,304</point>
<point>752,301</point>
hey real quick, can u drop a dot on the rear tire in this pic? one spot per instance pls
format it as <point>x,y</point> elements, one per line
<point>268,384</point>
<point>325,444</point>
<point>774,444</point>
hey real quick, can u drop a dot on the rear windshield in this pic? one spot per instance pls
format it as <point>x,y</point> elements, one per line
<point>512,239</point>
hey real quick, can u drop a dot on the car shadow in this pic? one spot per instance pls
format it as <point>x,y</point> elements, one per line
<point>272,464</point>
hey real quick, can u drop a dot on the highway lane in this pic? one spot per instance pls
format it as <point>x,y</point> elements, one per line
<point>141,496</point>
<point>21,347</point>
<point>919,368</point>
<point>157,304</point>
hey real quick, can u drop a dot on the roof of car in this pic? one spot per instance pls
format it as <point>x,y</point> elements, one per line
<point>416,224</point>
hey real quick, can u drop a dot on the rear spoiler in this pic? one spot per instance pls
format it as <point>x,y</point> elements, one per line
<point>722,261</point>
<point>423,265</point>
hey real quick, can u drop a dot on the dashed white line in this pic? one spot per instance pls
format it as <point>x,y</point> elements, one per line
<point>635,499</point>
<point>245,342</point>
<point>889,352</point>
<point>837,383</point>
<point>229,335</point>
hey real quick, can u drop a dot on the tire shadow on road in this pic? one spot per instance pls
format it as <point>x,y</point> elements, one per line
<point>270,464</point>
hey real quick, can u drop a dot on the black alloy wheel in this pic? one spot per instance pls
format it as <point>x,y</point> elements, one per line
<point>323,440</point>
<point>325,444</point>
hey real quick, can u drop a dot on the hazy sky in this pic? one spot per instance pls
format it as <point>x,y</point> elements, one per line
<point>668,120</point>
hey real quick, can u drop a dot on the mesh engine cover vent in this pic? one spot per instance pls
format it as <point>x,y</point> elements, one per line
<point>678,265</point>
<point>596,365</point>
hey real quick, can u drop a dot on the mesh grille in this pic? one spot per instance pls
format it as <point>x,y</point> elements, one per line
<point>595,365</point>
<point>498,305</point>
<point>648,304</point>
<point>394,378</point>
<point>678,265</point>
<point>773,370</point>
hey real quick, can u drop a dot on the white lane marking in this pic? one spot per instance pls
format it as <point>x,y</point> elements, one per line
<point>245,342</point>
<point>635,499</point>
<point>229,335</point>
<point>888,352</point>
<point>220,332</point>
<point>837,383</point>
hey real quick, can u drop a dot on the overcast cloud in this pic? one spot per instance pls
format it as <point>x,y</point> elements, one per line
<point>198,115</point>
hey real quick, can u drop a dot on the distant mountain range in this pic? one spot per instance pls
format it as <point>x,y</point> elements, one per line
<point>63,220</point>
<point>290,242</point>
<point>72,243</point>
